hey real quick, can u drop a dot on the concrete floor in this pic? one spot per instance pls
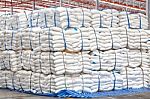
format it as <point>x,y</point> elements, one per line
<point>6,94</point>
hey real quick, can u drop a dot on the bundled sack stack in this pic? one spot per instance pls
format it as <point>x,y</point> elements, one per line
<point>9,40</point>
<point>105,18</point>
<point>133,20</point>
<point>135,77</point>
<point>73,49</point>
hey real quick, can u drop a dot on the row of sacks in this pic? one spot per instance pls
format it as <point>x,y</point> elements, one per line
<point>74,39</point>
<point>95,82</point>
<point>73,63</point>
<point>75,17</point>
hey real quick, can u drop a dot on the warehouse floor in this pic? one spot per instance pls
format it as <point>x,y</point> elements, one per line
<point>6,94</point>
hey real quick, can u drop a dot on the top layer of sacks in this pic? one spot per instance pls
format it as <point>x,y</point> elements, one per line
<point>75,17</point>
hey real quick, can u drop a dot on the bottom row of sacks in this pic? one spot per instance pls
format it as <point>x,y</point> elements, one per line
<point>97,81</point>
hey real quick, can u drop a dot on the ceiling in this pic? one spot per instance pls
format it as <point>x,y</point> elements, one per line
<point>21,5</point>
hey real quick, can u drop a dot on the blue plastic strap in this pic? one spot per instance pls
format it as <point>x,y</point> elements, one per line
<point>100,21</point>
<point>30,81</point>
<point>40,62</point>
<point>30,21</point>
<point>111,39</point>
<point>83,18</point>
<point>45,17</point>
<point>99,82</point>
<point>114,80</point>
<point>140,22</point>
<point>49,38</point>
<point>129,25</point>
<point>55,19</point>
<point>9,61</point>
<point>37,22</point>
<point>65,45</point>
<point>68,18</point>
<point>81,38</point>
<point>13,81</point>
<point>12,36</point>
<point>30,39</point>
<point>127,77</point>
<point>40,84</point>
<point>112,19</point>
<point>30,60</point>
<point>6,81</point>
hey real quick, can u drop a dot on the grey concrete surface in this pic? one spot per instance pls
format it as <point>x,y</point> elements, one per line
<point>6,94</point>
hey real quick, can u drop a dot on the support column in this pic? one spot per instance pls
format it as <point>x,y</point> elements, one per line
<point>60,2</point>
<point>11,8</point>
<point>33,5</point>
<point>97,4</point>
<point>148,12</point>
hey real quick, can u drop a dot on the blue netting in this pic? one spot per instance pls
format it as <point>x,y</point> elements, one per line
<point>74,94</point>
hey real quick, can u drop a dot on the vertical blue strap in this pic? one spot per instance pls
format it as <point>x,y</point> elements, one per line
<point>37,22</point>
<point>81,38</point>
<point>13,81</point>
<point>20,85</point>
<point>9,60</point>
<point>114,80</point>
<point>49,37</point>
<point>40,62</point>
<point>111,39</point>
<point>127,77</point>
<point>12,39</point>
<point>30,39</point>
<point>99,82</point>
<point>65,45</point>
<point>143,75</point>
<point>129,25</point>
<point>30,60</point>
<point>112,21</point>
<point>96,38</point>
<point>83,18</point>
<point>140,22</point>
<point>100,21</point>
<point>6,81</point>
<point>30,21</point>
<point>40,83</point>
<point>55,19</point>
<point>68,18</point>
<point>30,81</point>
<point>45,17</point>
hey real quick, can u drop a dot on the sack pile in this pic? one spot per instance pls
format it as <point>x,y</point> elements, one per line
<point>131,20</point>
<point>72,49</point>
<point>105,18</point>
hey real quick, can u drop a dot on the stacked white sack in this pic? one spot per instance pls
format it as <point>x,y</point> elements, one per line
<point>108,60</point>
<point>57,39</point>
<point>6,79</point>
<point>106,81</point>
<point>9,40</point>
<point>26,38</point>
<point>23,19</point>
<point>83,16</point>
<point>22,80</point>
<point>101,39</point>
<point>119,37</point>
<point>61,62</point>
<point>10,60</point>
<point>135,77</point>
<point>78,82</point>
<point>26,59</point>
<point>131,20</point>
<point>47,17</point>
<point>111,18</point>
<point>137,39</point>
<point>65,18</point>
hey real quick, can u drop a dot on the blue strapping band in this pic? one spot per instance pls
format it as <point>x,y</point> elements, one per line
<point>129,26</point>
<point>68,19</point>
<point>55,19</point>
<point>65,45</point>
<point>83,18</point>
<point>100,21</point>
<point>140,22</point>
<point>12,39</point>
<point>99,82</point>
<point>45,20</point>
<point>37,22</point>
